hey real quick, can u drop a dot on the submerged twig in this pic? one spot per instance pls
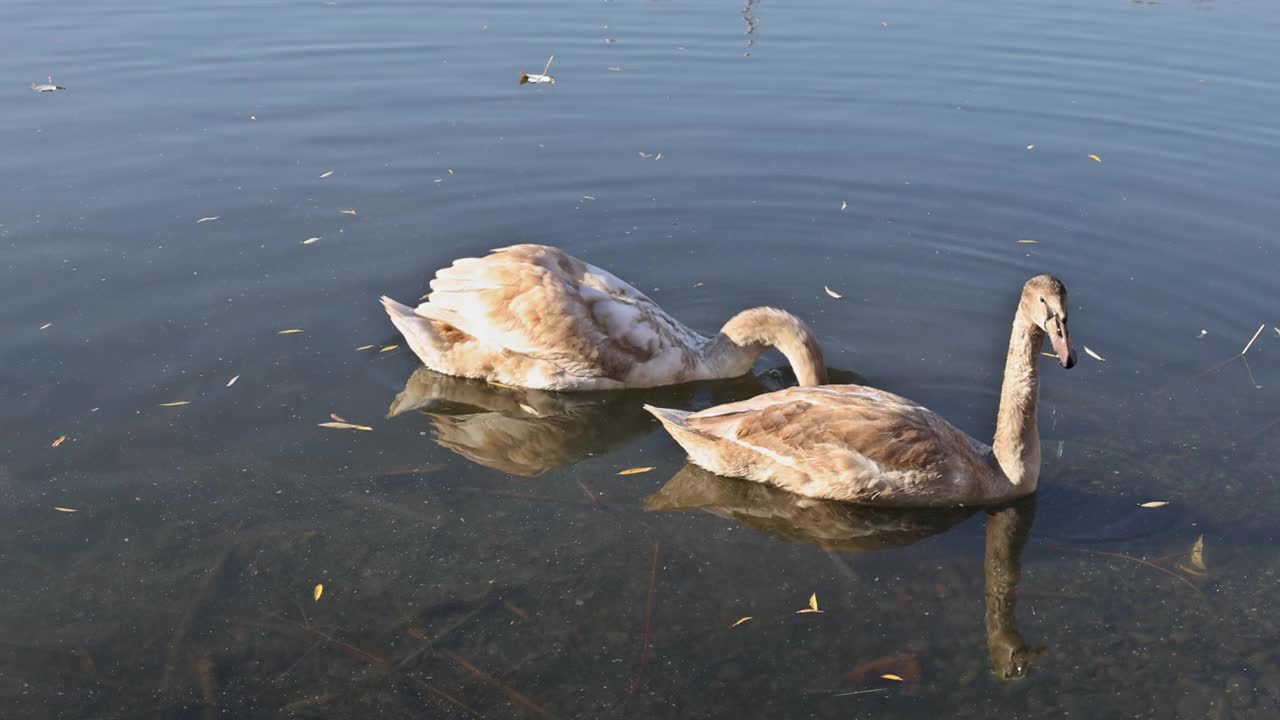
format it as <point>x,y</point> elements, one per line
<point>183,627</point>
<point>446,697</point>
<point>512,694</point>
<point>1140,561</point>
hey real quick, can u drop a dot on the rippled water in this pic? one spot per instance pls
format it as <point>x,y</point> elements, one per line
<point>492,563</point>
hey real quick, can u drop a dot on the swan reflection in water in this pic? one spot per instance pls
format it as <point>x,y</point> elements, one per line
<point>527,432</point>
<point>843,526</point>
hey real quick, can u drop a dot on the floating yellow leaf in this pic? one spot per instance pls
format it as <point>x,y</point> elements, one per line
<point>1094,158</point>
<point>388,348</point>
<point>1154,504</point>
<point>891,676</point>
<point>318,591</point>
<point>347,212</point>
<point>813,602</point>
<point>1028,242</point>
<point>740,621</point>
<point>290,331</point>
<point>46,326</point>
<point>61,439</point>
<point>832,293</point>
<point>325,175</point>
<point>365,347</point>
<point>232,381</point>
<point>176,404</point>
<point>311,240</point>
<point>635,471</point>
<point>207,219</point>
<point>346,426</point>
<point>1093,354</point>
<point>64,509</point>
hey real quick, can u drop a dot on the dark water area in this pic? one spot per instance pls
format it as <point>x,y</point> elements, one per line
<point>479,553</point>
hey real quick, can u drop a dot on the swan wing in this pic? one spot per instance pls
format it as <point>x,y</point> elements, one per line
<point>538,301</point>
<point>840,442</point>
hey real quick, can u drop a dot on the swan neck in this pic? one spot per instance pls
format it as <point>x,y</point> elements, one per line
<point>1017,440</point>
<point>751,332</point>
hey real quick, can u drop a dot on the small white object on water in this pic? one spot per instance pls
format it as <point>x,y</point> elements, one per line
<point>1093,354</point>
<point>46,87</point>
<point>542,77</point>
<point>1202,334</point>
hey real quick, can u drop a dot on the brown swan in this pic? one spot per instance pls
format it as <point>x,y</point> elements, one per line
<point>859,444</point>
<point>533,316</point>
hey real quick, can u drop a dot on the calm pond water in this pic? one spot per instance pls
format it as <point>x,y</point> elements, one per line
<point>481,560</point>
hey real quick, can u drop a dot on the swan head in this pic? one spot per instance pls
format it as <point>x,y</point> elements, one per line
<point>1044,304</point>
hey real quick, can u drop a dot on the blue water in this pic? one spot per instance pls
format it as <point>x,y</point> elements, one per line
<point>894,152</point>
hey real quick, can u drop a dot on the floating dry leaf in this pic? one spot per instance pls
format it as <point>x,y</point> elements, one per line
<point>327,174</point>
<point>346,426</point>
<point>1031,146</point>
<point>1252,339</point>
<point>310,240</point>
<point>635,471</point>
<point>844,204</point>
<point>232,381</point>
<point>175,404</point>
<point>61,439</point>
<point>1093,354</point>
<point>1277,329</point>
<point>905,666</point>
<point>64,509</point>
<point>290,331</point>
<point>813,605</point>
<point>388,348</point>
<point>1049,355</point>
<point>46,326</point>
<point>832,293</point>
<point>891,676</point>
<point>1028,242</point>
<point>347,212</point>
<point>318,591</point>
<point>365,347</point>
<point>207,219</point>
<point>1154,504</point>
<point>740,621</point>
<point>337,417</point>
<point>1094,158</point>
<point>450,171</point>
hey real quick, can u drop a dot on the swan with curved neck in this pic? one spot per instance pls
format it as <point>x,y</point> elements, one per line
<point>534,316</point>
<point>859,444</point>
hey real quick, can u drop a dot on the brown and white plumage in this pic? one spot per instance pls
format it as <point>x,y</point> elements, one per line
<point>534,316</point>
<point>859,444</point>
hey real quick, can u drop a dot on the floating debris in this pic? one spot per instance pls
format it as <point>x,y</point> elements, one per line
<point>347,212</point>
<point>177,403</point>
<point>65,509</point>
<point>813,605</point>
<point>207,219</point>
<point>346,426</point>
<point>891,676</point>
<point>61,439</point>
<point>318,591</point>
<point>740,621</point>
<point>46,326</point>
<point>904,666</point>
<point>629,471</point>
<point>388,348</point>
<point>290,331</point>
<point>536,78</point>
<point>311,240</point>
<point>232,381</point>
<point>844,205</point>
<point>365,347</point>
<point>1202,334</point>
<point>325,175</point>
<point>1195,561</point>
<point>46,87</point>
<point>1093,354</point>
<point>1032,146</point>
<point>1094,158</point>
<point>1255,337</point>
<point>1028,242</point>
<point>1154,504</point>
<point>832,293</point>
<point>615,69</point>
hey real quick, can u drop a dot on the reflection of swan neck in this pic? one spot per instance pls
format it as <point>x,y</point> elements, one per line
<point>1007,531</point>
<point>751,332</point>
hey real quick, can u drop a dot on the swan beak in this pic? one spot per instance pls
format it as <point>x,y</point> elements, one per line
<point>1062,348</point>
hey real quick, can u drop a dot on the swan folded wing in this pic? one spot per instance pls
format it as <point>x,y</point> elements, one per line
<point>538,301</point>
<point>848,443</point>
